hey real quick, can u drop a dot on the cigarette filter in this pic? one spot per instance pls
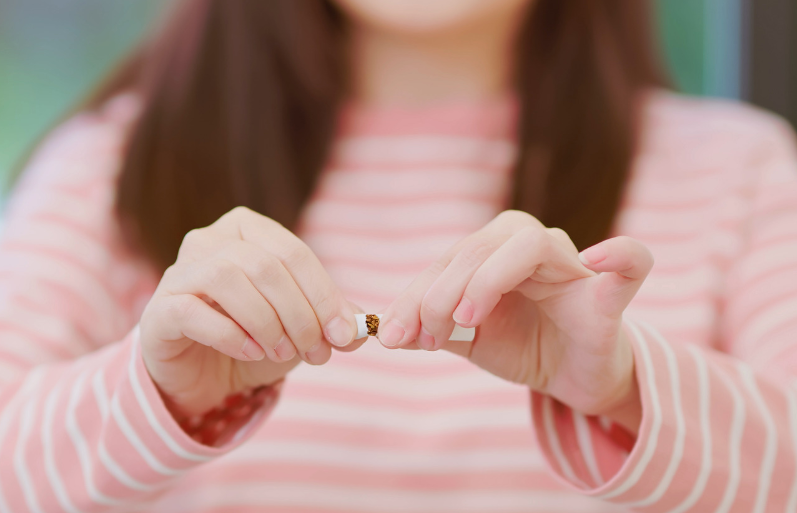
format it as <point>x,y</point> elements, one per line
<point>368,324</point>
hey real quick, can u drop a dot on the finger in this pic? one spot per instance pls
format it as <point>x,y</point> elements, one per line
<point>401,323</point>
<point>192,318</point>
<point>530,253</point>
<point>444,294</point>
<point>273,281</point>
<point>624,263</point>
<point>332,310</point>
<point>226,284</point>
<point>358,342</point>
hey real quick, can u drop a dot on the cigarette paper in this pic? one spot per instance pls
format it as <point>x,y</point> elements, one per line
<point>366,321</point>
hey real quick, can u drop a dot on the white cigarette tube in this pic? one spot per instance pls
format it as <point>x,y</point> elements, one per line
<point>459,334</point>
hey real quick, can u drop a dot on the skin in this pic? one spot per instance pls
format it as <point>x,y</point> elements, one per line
<point>246,301</point>
<point>547,317</point>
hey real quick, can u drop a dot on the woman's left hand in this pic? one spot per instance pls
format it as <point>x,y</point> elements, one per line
<point>546,317</point>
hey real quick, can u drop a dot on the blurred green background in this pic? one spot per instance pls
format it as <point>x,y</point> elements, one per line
<point>53,51</point>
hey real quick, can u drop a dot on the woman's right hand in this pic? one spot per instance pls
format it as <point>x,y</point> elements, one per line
<point>244,303</point>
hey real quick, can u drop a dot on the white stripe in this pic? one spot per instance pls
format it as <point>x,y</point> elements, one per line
<point>381,459</point>
<point>25,347</point>
<point>771,442</point>
<point>20,465</point>
<point>555,445</point>
<point>31,381</point>
<point>680,424</point>
<point>653,437</point>
<point>390,418</point>
<point>150,415</point>
<point>311,497</point>
<point>130,434</point>
<point>418,388</point>
<point>735,445</point>
<point>704,394</point>
<point>81,446</point>
<point>98,386</point>
<point>118,472</point>
<point>11,372</point>
<point>762,325</point>
<point>49,458</point>
<point>422,149</point>
<point>100,393</point>
<point>791,397</point>
<point>779,341</point>
<point>584,437</point>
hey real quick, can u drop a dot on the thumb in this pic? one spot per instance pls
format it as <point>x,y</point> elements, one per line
<point>624,263</point>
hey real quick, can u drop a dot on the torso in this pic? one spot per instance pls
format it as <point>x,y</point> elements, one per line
<point>382,430</point>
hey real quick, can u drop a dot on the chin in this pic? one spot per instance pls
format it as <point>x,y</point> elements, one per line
<point>426,17</point>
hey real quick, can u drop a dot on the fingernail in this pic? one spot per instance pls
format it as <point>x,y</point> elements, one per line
<point>426,340</point>
<point>592,255</point>
<point>464,312</point>
<point>315,355</point>
<point>285,350</point>
<point>391,333</point>
<point>338,332</point>
<point>252,350</point>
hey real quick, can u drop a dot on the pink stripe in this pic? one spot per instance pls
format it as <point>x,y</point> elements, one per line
<point>319,474</point>
<point>332,394</point>
<point>73,303</point>
<point>394,267</point>
<point>62,257</point>
<point>753,311</point>
<point>282,429</point>
<point>64,222</point>
<point>348,166</point>
<point>407,200</point>
<point>56,347</point>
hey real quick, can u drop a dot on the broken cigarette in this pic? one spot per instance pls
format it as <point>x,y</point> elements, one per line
<point>368,325</point>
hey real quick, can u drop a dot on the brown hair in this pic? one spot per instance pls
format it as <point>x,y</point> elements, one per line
<point>240,99</point>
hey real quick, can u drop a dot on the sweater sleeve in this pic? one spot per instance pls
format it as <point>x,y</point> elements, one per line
<point>719,426</point>
<point>82,425</point>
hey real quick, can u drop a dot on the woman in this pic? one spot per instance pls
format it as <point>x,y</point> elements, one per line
<point>378,147</point>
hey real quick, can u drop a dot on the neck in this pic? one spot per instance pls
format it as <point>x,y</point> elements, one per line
<point>469,63</point>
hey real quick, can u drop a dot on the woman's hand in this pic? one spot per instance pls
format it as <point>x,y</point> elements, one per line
<point>545,319</point>
<point>244,303</point>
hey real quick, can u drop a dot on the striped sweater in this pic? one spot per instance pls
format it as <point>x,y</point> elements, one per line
<point>712,193</point>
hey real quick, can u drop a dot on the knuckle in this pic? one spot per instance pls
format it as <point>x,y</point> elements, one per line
<point>240,212</point>
<point>297,255</point>
<point>267,268</point>
<point>534,239</point>
<point>229,338</point>
<point>171,273</point>
<point>218,272</point>
<point>515,217</point>
<point>307,332</point>
<point>475,252</point>
<point>181,308</point>
<point>192,241</point>
<point>326,306</point>
<point>562,237</point>
<point>558,233</point>
<point>510,222</point>
<point>431,310</point>
<point>437,268</point>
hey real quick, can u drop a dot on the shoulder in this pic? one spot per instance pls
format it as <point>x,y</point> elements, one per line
<point>72,173</point>
<point>703,133</point>
<point>85,150</point>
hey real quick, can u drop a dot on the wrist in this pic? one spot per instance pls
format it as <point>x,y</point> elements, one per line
<point>627,409</point>
<point>219,425</point>
<point>628,413</point>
